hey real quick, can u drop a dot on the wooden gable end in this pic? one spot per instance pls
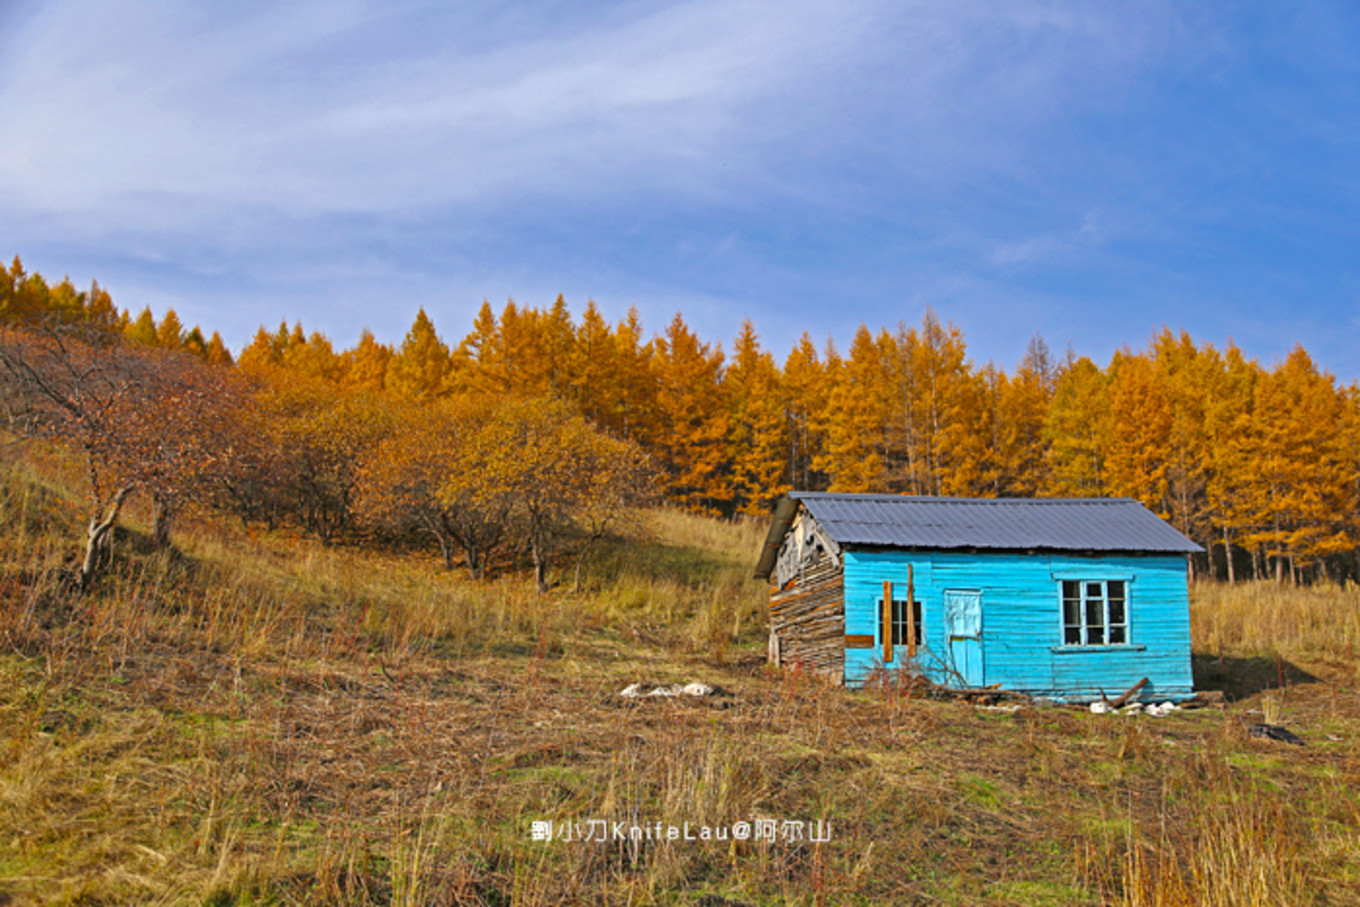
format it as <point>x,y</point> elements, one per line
<point>807,613</point>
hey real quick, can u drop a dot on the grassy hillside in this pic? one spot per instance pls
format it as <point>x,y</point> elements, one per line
<point>259,719</point>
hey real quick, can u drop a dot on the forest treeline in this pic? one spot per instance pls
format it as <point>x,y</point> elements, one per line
<point>1259,465</point>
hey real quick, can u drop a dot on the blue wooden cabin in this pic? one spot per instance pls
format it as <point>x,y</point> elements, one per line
<point>1069,599</point>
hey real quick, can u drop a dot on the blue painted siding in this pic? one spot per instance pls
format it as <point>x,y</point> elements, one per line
<point>1022,620</point>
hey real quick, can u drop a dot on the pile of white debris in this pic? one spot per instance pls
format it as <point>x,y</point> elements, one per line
<point>1156,710</point>
<point>642,691</point>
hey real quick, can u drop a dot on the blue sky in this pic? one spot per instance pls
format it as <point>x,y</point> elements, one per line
<point>1091,171</point>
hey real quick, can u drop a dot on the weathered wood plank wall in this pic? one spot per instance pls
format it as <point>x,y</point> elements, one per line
<point>808,618</point>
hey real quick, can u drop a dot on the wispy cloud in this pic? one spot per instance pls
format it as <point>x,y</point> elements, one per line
<point>1046,247</point>
<point>1037,248</point>
<point>155,111</point>
<point>329,107</point>
<point>761,157</point>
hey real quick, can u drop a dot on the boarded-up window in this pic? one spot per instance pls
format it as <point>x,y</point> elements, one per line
<point>900,627</point>
<point>1095,612</point>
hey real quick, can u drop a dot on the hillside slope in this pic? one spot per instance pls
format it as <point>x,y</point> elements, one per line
<point>266,720</point>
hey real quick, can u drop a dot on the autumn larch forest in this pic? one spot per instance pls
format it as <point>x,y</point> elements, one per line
<point>538,423</point>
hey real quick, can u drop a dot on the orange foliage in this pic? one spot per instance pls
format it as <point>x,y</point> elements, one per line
<point>475,472</point>
<point>140,420</point>
<point>1262,463</point>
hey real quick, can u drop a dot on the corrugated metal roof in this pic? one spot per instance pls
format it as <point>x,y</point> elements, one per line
<point>904,521</point>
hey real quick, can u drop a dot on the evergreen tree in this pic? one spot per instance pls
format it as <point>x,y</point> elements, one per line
<point>856,415</point>
<point>170,332</point>
<point>805,401</point>
<point>1301,489</point>
<point>1228,419</point>
<point>758,433</point>
<point>692,419</point>
<point>421,366</point>
<point>1022,408</point>
<point>1136,453</point>
<point>557,342</point>
<point>1077,430</point>
<point>143,329</point>
<point>216,351</point>
<point>365,366</point>
<point>636,414</point>
<point>594,369</point>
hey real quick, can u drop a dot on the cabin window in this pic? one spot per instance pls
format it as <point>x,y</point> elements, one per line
<point>1095,612</point>
<point>899,621</point>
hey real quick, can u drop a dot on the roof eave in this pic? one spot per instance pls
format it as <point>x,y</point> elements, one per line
<point>784,513</point>
<point>1032,549</point>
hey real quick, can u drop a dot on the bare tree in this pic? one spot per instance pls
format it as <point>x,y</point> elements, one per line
<point>137,418</point>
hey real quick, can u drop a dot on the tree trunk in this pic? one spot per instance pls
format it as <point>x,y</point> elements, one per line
<point>99,538</point>
<point>475,560</point>
<point>1227,554</point>
<point>581,559</point>
<point>540,558</point>
<point>161,516</point>
<point>1279,570</point>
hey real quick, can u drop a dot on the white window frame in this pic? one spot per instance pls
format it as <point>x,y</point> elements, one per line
<point>1094,592</point>
<point>898,621</point>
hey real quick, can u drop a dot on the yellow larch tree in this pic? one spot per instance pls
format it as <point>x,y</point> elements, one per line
<point>805,400</point>
<point>903,433</point>
<point>1140,432</point>
<point>216,351</point>
<point>557,343</point>
<point>365,366</point>
<point>143,328</point>
<point>857,410</point>
<point>312,358</point>
<point>23,297</point>
<point>194,342</point>
<point>692,419</point>
<point>265,349</point>
<point>1022,404</point>
<point>1228,420</point>
<point>593,368</point>
<point>956,415</point>
<point>1077,430</point>
<point>635,413</point>
<point>473,362</point>
<point>420,368</point>
<point>1350,459</point>
<point>758,429</point>
<point>521,366</point>
<point>170,332</point>
<point>1300,490</point>
<point>63,303</point>
<point>1191,378</point>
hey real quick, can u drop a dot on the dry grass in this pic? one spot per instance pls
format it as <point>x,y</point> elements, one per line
<point>267,721</point>
<point>1308,622</point>
<point>1243,852</point>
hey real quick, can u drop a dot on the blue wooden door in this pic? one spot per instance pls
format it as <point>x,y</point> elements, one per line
<point>963,617</point>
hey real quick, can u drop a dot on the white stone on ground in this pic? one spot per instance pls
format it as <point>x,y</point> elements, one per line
<point>640,690</point>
